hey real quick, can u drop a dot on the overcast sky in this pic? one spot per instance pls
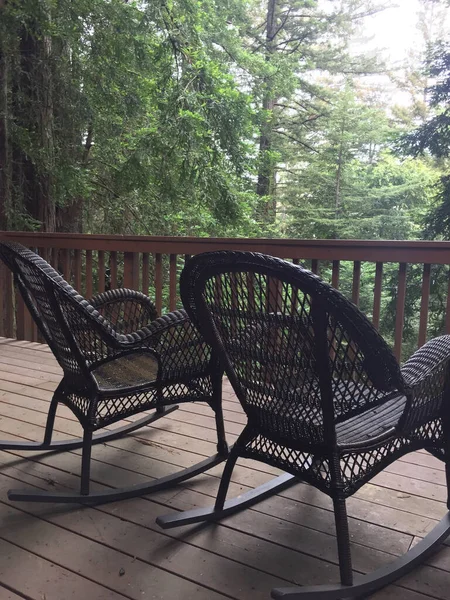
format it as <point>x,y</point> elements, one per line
<point>395,29</point>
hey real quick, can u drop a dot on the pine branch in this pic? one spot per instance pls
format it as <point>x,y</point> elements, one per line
<point>297,141</point>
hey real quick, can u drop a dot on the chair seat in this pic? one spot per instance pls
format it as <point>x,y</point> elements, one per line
<point>130,371</point>
<point>287,418</point>
<point>371,423</point>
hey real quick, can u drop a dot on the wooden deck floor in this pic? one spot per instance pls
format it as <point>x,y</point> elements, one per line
<point>51,552</point>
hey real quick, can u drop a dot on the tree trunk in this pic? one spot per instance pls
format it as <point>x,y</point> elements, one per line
<point>47,213</point>
<point>266,173</point>
<point>32,110</point>
<point>5,158</point>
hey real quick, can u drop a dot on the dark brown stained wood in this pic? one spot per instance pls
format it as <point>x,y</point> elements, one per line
<point>145,273</point>
<point>430,252</point>
<point>131,270</point>
<point>89,288</point>
<point>28,324</point>
<point>447,314</point>
<point>45,253</point>
<point>250,282</point>
<point>288,537</point>
<point>400,311</point>
<point>20,316</point>
<point>377,294</point>
<point>101,271</point>
<point>77,266</point>
<point>158,283</point>
<point>6,303</point>
<point>47,575</point>
<point>172,282</point>
<point>34,331</point>
<point>63,249</point>
<point>113,269</point>
<point>234,300</point>
<point>64,257</point>
<point>7,594</point>
<point>52,257</point>
<point>356,282</point>
<point>424,305</point>
<point>335,274</point>
<point>274,297</point>
<point>3,294</point>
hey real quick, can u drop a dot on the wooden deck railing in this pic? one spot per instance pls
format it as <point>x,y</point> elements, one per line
<point>93,263</point>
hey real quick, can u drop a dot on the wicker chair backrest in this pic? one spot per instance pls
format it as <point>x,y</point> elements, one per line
<point>69,324</point>
<point>292,345</point>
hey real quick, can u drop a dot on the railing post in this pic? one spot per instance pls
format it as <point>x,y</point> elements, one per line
<point>400,311</point>
<point>6,302</point>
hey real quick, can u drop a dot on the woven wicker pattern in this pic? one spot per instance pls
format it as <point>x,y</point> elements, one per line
<point>324,396</point>
<point>118,358</point>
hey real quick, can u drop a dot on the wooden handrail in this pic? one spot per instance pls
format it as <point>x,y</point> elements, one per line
<point>93,263</point>
<point>424,252</point>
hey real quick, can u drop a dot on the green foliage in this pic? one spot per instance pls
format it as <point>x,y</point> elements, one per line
<point>433,136</point>
<point>147,120</point>
<point>223,117</point>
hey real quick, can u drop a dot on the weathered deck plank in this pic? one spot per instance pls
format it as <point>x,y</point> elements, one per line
<point>288,538</point>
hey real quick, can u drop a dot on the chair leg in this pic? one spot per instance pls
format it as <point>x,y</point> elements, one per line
<point>222,446</point>
<point>225,480</point>
<point>50,421</point>
<point>343,541</point>
<point>447,476</point>
<point>86,463</point>
<point>216,404</point>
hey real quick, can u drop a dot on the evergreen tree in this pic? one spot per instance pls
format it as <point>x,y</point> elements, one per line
<point>432,138</point>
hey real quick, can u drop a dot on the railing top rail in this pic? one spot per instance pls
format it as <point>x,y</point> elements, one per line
<point>428,252</point>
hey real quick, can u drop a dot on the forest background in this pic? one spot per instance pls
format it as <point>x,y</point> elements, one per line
<point>255,118</point>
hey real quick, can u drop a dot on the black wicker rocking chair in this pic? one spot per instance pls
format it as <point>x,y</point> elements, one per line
<point>326,400</point>
<point>118,360</point>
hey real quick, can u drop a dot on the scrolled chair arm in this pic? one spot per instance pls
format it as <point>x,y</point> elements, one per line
<point>172,338</point>
<point>127,310</point>
<point>426,375</point>
<point>177,343</point>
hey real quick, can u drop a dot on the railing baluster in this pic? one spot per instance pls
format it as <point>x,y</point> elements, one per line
<point>6,314</point>
<point>113,269</point>
<point>64,257</point>
<point>68,254</point>
<point>89,293</point>
<point>400,312</point>
<point>447,314</point>
<point>377,294</point>
<point>172,282</point>
<point>20,315</point>
<point>131,270</point>
<point>335,274</point>
<point>250,290</point>
<point>158,283</point>
<point>356,282</point>
<point>424,305</point>
<point>101,271</point>
<point>145,273</point>
<point>77,270</point>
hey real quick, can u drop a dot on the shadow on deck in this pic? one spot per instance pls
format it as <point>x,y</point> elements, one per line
<point>117,551</point>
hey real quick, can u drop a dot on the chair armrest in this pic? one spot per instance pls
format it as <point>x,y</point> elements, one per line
<point>126,310</point>
<point>426,375</point>
<point>176,342</point>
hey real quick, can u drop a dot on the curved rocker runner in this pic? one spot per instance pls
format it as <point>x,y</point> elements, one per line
<point>325,398</point>
<point>118,360</point>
